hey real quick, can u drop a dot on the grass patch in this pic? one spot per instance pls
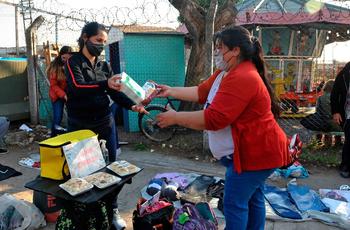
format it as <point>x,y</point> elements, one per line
<point>140,147</point>
<point>317,154</point>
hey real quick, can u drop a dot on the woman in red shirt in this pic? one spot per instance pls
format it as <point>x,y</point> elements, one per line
<point>239,114</point>
<point>58,85</point>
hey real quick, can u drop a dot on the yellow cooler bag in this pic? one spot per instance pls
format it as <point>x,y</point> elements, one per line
<point>52,161</point>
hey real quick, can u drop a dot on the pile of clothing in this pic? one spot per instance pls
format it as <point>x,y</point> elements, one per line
<point>180,201</point>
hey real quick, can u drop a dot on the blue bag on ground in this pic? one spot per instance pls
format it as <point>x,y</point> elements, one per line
<point>280,202</point>
<point>306,198</point>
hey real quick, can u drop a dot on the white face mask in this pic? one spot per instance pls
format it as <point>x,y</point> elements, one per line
<point>220,63</point>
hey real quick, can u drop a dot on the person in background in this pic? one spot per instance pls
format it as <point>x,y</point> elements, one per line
<point>320,86</point>
<point>322,119</point>
<point>340,105</point>
<point>58,85</point>
<point>239,114</point>
<point>90,83</point>
<point>4,126</point>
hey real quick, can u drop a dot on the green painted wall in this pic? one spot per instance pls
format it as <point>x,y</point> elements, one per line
<point>157,57</point>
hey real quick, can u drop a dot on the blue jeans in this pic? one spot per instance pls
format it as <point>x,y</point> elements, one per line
<point>57,108</point>
<point>104,127</point>
<point>244,204</point>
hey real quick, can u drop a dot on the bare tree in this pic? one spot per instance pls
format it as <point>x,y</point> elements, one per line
<point>201,23</point>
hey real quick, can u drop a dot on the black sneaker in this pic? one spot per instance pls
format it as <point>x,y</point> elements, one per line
<point>3,151</point>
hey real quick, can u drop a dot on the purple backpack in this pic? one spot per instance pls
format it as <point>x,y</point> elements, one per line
<point>189,217</point>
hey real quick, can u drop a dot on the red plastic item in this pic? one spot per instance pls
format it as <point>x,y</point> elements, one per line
<point>301,99</point>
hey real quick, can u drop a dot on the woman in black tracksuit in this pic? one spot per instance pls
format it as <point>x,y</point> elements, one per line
<point>89,83</point>
<point>340,105</point>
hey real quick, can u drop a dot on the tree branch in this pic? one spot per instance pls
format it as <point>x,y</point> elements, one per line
<point>225,15</point>
<point>193,14</point>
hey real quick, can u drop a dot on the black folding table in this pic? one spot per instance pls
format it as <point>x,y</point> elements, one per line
<point>89,198</point>
<point>51,187</point>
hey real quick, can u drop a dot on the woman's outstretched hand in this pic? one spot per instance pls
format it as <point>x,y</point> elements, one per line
<point>164,91</point>
<point>166,119</point>
<point>139,109</point>
<point>114,82</point>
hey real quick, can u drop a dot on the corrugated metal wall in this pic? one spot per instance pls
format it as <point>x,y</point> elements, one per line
<point>14,88</point>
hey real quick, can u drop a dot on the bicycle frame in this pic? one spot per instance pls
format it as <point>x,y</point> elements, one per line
<point>169,102</point>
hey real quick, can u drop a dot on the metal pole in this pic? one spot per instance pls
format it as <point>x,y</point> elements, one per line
<point>31,73</point>
<point>208,68</point>
<point>16,31</point>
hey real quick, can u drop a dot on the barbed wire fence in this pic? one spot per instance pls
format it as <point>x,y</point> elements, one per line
<point>70,21</point>
<point>62,26</point>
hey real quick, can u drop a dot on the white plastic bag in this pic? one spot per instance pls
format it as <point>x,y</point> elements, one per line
<point>18,214</point>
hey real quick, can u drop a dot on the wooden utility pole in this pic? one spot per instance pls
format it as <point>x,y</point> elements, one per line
<point>31,69</point>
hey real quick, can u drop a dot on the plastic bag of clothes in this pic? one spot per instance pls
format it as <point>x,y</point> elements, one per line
<point>18,214</point>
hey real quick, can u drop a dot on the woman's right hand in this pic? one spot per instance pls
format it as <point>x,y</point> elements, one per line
<point>114,82</point>
<point>337,118</point>
<point>164,91</point>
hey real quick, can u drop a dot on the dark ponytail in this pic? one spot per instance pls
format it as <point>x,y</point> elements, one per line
<point>250,47</point>
<point>260,65</point>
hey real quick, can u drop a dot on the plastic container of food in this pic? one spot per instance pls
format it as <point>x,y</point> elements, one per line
<point>76,186</point>
<point>151,91</point>
<point>102,179</point>
<point>123,168</point>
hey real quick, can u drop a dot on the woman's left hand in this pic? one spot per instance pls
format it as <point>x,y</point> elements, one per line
<point>166,119</point>
<point>139,109</point>
<point>114,82</point>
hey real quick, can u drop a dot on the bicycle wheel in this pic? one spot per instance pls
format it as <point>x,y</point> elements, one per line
<point>148,125</point>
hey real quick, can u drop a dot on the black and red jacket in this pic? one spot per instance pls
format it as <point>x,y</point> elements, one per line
<point>87,89</point>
